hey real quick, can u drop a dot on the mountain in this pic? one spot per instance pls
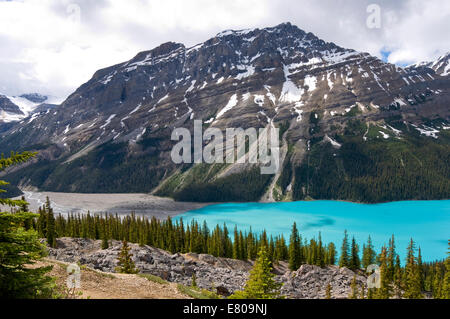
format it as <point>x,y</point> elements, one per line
<point>35,97</point>
<point>17,108</point>
<point>353,127</point>
<point>8,110</point>
<point>441,66</point>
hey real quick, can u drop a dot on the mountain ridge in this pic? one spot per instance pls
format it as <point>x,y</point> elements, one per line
<point>117,125</point>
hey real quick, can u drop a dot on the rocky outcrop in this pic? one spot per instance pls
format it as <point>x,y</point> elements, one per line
<point>220,274</point>
<point>7,106</point>
<point>311,282</point>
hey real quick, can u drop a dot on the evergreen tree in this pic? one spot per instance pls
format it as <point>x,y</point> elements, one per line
<point>412,276</point>
<point>51,233</point>
<point>331,254</point>
<point>261,283</point>
<point>354,289</point>
<point>236,250</point>
<point>105,244</point>
<point>20,247</point>
<point>344,259</point>
<point>355,262</point>
<point>294,249</point>
<point>328,292</point>
<point>437,284</point>
<point>398,278</point>
<point>370,293</point>
<point>363,292</point>
<point>320,259</point>
<point>384,292</point>
<point>242,247</point>
<point>125,263</point>
<point>391,259</point>
<point>446,285</point>
<point>369,254</point>
<point>251,247</point>
<point>420,270</point>
<point>42,223</point>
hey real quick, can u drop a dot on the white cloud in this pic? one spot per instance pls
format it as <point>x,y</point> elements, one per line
<point>44,49</point>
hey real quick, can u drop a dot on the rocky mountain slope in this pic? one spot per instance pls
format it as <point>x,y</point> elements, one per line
<point>218,274</point>
<point>16,108</point>
<point>441,66</point>
<point>349,122</point>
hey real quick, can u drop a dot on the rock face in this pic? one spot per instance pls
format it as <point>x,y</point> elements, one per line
<point>35,97</point>
<point>17,108</point>
<point>8,110</point>
<point>7,106</point>
<point>280,76</point>
<point>311,281</point>
<point>223,275</point>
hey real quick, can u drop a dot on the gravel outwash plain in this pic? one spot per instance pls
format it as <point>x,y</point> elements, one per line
<point>122,204</point>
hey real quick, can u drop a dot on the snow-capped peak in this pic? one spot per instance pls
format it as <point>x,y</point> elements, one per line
<point>441,65</point>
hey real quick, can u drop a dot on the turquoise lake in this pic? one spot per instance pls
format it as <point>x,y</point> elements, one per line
<point>427,222</point>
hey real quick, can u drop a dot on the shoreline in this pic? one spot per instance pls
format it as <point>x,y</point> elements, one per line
<point>121,204</point>
<point>138,203</point>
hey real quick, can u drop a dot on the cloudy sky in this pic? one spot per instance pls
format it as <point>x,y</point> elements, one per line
<point>53,46</point>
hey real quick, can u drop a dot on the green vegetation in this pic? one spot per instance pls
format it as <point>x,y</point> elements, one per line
<point>366,168</point>
<point>409,281</point>
<point>245,186</point>
<point>261,284</point>
<point>125,263</point>
<point>153,278</point>
<point>376,170</point>
<point>20,247</point>
<point>100,171</point>
<point>196,292</point>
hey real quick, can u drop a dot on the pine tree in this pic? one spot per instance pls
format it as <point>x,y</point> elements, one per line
<point>446,285</point>
<point>344,259</point>
<point>236,252</point>
<point>363,292</point>
<point>51,233</point>
<point>328,292</point>
<point>412,276</point>
<point>398,278</point>
<point>354,289</point>
<point>437,284</point>
<point>420,270</point>
<point>370,293</point>
<point>294,249</point>
<point>384,292</point>
<point>20,247</point>
<point>42,223</point>
<point>261,283</point>
<point>125,263</point>
<point>369,254</point>
<point>391,259</point>
<point>105,244</point>
<point>250,246</point>
<point>331,254</point>
<point>355,262</point>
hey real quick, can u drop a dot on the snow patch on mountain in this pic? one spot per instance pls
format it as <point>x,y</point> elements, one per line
<point>231,103</point>
<point>290,92</point>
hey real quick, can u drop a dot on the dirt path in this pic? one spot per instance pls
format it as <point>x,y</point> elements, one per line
<point>101,285</point>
